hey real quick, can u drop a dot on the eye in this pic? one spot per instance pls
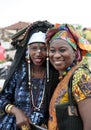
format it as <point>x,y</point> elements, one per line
<point>52,51</point>
<point>33,48</point>
<point>43,49</point>
<point>62,50</point>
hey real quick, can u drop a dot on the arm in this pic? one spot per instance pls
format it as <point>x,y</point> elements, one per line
<point>84,107</point>
<point>7,94</point>
<point>7,100</point>
<point>81,87</point>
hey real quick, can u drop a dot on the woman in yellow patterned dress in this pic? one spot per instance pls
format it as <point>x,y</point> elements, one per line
<point>69,53</point>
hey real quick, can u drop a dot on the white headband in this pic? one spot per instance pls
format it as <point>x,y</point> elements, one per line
<point>37,37</point>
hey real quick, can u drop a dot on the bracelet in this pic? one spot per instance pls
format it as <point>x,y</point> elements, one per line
<point>8,108</point>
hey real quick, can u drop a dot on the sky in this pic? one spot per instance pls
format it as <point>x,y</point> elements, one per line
<point>55,11</point>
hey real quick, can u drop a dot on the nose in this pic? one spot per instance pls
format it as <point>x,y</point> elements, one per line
<point>57,54</point>
<point>38,52</point>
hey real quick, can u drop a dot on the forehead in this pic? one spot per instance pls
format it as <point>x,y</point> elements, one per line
<point>37,44</point>
<point>60,43</point>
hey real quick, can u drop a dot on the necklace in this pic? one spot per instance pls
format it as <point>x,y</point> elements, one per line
<point>42,97</point>
<point>66,71</point>
<point>35,86</point>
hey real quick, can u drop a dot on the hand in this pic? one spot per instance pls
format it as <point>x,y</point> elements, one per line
<point>22,121</point>
<point>44,126</point>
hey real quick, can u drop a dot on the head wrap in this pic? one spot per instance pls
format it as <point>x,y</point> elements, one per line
<point>87,34</point>
<point>69,33</point>
<point>20,40</point>
<point>65,36</point>
<point>37,37</point>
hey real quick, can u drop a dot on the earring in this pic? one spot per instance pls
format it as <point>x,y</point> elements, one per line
<point>29,68</point>
<point>47,65</point>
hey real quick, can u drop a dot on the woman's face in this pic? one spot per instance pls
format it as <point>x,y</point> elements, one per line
<point>61,54</point>
<point>37,53</point>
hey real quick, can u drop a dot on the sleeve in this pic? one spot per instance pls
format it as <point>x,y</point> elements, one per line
<point>7,94</point>
<point>81,84</point>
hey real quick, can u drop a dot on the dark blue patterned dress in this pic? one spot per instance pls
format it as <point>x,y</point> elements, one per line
<point>17,93</point>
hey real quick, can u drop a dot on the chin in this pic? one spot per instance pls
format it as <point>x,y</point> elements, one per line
<point>57,67</point>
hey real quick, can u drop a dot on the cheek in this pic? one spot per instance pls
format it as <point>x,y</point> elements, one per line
<point>30,52</point>
<point>44,53</point>
<point>70,58</point>
<point>73,55</point>
<point>50,56</point>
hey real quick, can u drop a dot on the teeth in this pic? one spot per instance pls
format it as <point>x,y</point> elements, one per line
<point>58,62</point>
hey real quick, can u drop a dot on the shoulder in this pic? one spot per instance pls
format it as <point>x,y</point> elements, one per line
<point>80,73</point>
<point>81,83</point>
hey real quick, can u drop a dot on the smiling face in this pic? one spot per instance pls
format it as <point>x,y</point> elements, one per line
<point>37,53</point>
<point>61,54</point>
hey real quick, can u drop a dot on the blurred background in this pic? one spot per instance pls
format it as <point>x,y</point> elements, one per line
<point>17,14</point>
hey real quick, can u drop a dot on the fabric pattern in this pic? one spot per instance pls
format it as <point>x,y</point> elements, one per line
<point>81,88</point>
<point>58,97</point>
<point>81,84</point>
<point>20,91</point>
<point>22,99</point>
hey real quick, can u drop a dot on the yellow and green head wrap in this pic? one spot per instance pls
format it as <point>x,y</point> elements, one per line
<point>65,36</point>
<point>69,33</point>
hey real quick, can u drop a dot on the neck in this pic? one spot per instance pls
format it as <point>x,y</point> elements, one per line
<point>38,71</point>
<point>38,68</point>
<point>64,72</point>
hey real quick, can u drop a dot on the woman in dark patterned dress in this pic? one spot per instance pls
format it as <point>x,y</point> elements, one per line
<point>30,83</point>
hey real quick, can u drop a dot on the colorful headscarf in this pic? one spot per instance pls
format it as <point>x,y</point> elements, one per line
<point>69,33</point>
<point>65,36</point>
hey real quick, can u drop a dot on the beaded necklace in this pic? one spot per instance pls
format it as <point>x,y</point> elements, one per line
<point>66,71</point>
<point>43,92</point>
<point>42,98</point>
<point>30,85</point>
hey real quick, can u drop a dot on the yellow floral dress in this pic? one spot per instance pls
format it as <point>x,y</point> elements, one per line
<point>81,88</point>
